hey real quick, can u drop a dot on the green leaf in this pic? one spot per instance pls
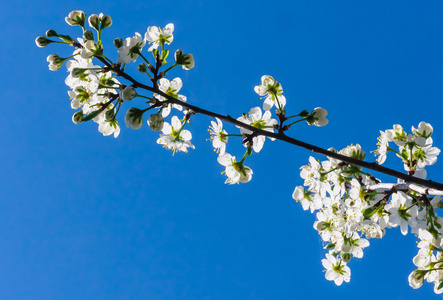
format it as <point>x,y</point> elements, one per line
<point>91,116</point>
<point>330,246</point>
<point>368,212</point>
<point>165,54</point>
<point>155,53</point>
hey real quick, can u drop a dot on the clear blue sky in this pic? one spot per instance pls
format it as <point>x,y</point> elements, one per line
<point>84,216</point>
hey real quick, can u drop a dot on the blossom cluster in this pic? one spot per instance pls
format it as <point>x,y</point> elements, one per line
<point>272,91</point>
<point>98,95</point>
<point>351,208</point>
<point>415,150</point>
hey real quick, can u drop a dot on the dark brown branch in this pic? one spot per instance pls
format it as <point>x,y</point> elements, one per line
<point>280,136</point>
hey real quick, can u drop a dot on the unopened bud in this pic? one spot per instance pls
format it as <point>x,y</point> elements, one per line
<point>142,68</point>
<point>110,114</point>
<point>118,42</point>
<point>304,113</point>
<point>94,21</point>
<point>55,62</point>
<point>134,118</point>
<point>42,41</point>
<point>106,21</point>
<point>127,93</point>
<point>185,60</point>
<point>320,225</point>
<point>76,17</point>
<point>51,33</point>
<point>88,35</point>
<point>156,122</point>
<point>77,117</point>
<point>346,257</point>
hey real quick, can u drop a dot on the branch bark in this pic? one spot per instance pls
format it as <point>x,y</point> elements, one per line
<point>279,136</point>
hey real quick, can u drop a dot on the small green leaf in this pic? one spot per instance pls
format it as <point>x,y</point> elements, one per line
<point>249,151</point>
<point>330,246</point>
<point>165,54</point>
<point>91,115</point>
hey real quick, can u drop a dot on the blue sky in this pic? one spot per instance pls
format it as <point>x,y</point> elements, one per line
<point>84,216</point>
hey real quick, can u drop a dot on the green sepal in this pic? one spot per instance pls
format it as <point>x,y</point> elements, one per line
<point>66,38</point>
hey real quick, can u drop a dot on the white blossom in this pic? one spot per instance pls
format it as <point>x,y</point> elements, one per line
<point>336,270</point>
<point>273,90</point>
<point>235,171</point>
<point>174,137</point>
<point>219,136</point>
<point>158,36</point>
<point>130,49</point>
<point>260,121</point>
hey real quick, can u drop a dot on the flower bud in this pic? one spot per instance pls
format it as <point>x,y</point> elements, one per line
<point>76,17</point>
<point>127,93</point>
<point>94,21</point>
<point>156,122</point>
<point>110,114</point>
<point>77,117</point>
<point>88,35</point>
<point>346,257</point>
<point>118,42</point>
<point>51,33</point>
<point>185,60</point>
<point>320,225</point>
<point>142,68</point>
<point>134,118</point>
<point>304,113</point>
<point>416,279</point>
<point>55,62</point>
<point>106,21</point>
<point>42,41</point>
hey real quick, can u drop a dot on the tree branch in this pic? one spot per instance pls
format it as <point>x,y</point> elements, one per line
<point>279,136</point>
